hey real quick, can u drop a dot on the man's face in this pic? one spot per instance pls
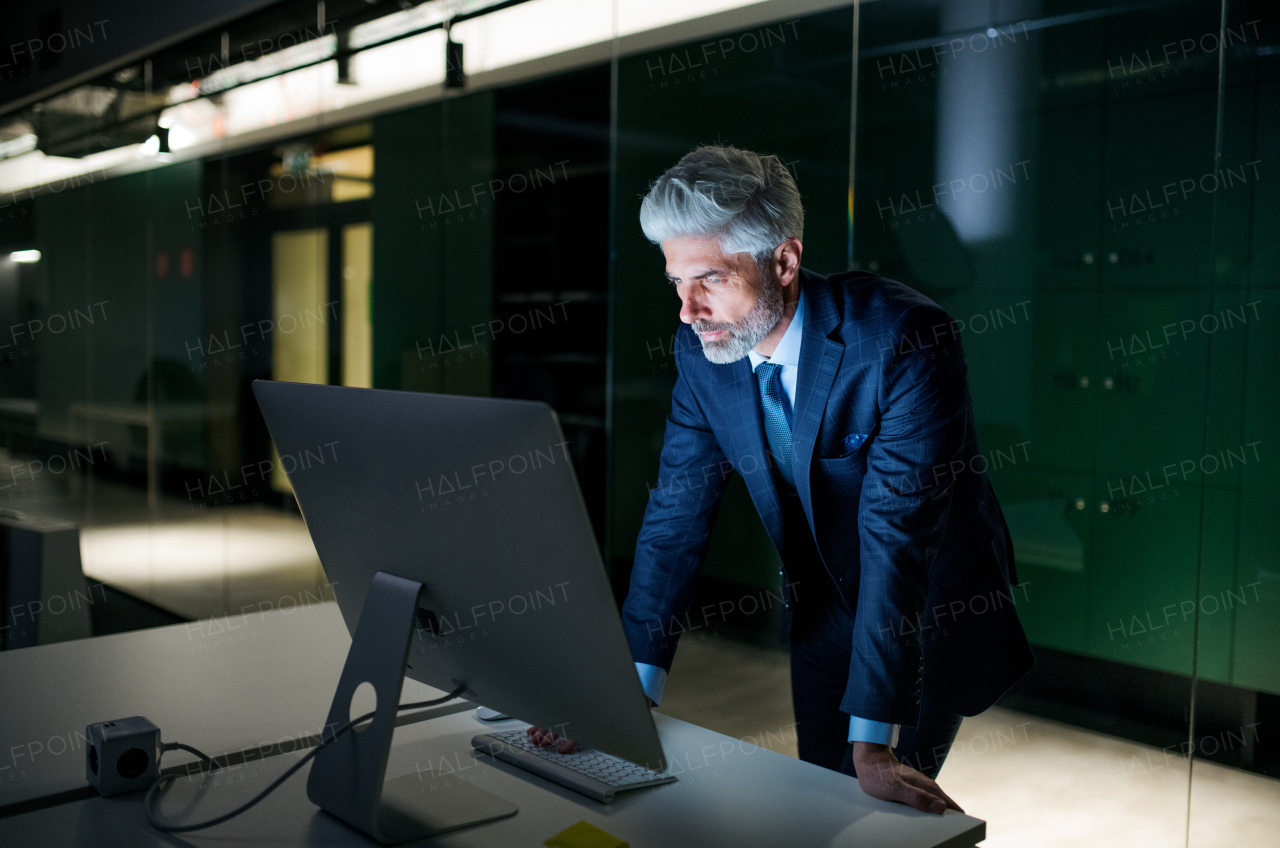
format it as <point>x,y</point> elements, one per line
<point>725,297</point>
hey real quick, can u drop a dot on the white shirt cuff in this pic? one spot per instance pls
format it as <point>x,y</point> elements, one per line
<point>652,679</point>
<point>880,732</point>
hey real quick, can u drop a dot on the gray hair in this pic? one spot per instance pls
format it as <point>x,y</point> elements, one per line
<point>747,202</point>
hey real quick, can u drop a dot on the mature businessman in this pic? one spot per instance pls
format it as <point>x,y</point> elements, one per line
<point>842,402</point>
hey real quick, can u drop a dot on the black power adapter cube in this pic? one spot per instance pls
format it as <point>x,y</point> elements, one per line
<point>122,755</point>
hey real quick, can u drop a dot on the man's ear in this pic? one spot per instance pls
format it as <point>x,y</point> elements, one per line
<point>786,261</point>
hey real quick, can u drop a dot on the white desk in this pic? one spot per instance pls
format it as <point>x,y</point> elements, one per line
<point>278,683</point>
<point>220,684</point>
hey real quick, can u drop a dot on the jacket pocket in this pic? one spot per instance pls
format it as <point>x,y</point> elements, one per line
<point>852,443</point>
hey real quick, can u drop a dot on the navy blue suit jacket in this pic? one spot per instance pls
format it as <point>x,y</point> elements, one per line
<point>887,467</point>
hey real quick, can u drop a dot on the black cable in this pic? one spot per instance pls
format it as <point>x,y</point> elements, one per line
<point>164,780</point>
<point>178,746</point>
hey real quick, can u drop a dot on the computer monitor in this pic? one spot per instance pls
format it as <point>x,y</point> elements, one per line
<point>476,499</point>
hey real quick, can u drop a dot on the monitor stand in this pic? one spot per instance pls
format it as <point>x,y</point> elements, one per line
<point>347,778</point>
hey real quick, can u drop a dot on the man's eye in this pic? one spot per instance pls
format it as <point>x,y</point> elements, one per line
<point>715,281</point>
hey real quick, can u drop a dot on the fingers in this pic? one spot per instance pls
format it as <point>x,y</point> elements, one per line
<point>913,796</point>
<point>931,786</point>
<point>545,739</point>
<point>906,786</point>
<point>951,805</point>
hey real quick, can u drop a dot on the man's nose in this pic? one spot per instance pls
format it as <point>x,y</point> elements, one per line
<point>692,308</point>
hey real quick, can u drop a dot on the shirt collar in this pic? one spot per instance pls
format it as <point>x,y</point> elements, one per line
<point>788,349</point>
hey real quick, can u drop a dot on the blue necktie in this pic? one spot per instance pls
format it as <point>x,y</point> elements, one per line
<point>776,427</point>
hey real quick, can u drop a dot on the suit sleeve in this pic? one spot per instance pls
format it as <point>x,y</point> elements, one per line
<point>906,500</point>
<point>673,540</point>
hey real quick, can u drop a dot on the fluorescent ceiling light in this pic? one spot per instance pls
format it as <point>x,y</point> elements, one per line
<point>17,146</point>
<point>25,256</point>
<point>180,137</point>
<point>412,20</point>
<point>271,65</point>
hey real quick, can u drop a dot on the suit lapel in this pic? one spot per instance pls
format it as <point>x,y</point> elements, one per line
<point>819,361</point>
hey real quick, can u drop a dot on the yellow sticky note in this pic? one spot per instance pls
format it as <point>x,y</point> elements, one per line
<point>584,835</point>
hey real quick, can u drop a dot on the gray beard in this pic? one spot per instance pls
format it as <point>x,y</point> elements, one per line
<point>747,333</point>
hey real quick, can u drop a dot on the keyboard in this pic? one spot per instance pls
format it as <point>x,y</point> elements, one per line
<point>593,773</point>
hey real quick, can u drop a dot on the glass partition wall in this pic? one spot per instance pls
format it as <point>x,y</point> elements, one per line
<point>1082,186</point>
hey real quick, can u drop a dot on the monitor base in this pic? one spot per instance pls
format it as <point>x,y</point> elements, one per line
<point>416,807</point>
<point>347,779</point>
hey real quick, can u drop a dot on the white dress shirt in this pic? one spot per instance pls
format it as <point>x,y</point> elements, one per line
<point>787,354</point>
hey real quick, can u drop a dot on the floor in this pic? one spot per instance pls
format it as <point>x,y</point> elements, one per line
<point>219,564</point>
<point>192,560</point>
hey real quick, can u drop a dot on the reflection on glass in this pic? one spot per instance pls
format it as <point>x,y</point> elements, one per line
<point>357,331</point>
<point>300,311</point>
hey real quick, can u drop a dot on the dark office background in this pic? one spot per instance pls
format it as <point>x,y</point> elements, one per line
<point>1098,212</point>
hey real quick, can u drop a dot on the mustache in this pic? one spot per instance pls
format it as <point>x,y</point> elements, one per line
<point>710,327</point>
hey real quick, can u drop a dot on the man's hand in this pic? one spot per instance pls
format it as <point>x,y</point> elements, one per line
<point>880,775</point>
<point>545,739</point>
